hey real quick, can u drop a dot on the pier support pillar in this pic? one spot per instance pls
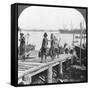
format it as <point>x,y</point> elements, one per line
<point>27,79</point>
<point>49,78</point>
<point>60,69</point>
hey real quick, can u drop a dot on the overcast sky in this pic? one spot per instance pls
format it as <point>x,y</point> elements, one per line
<point>36,17</point>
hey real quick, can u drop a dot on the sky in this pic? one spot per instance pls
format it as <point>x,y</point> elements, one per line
<point>36,17</point>
<point>48,18</point>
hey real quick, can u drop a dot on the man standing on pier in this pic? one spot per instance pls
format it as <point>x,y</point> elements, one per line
<point>22,45</point>
<point>52,49</point>
<point>44,48</point>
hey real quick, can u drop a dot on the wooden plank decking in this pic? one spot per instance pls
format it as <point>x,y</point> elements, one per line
<point>32,68</point>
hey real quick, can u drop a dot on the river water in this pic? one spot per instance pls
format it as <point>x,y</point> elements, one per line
<point>36,38</point>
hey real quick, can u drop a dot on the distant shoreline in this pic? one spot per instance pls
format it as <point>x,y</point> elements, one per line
<point>62,31</point>
<point>72,32</point>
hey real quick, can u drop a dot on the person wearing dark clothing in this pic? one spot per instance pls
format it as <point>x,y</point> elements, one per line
<point>56,47</point>
<point>52,49</point>
<point>44,48</point>
<point>22,45</point>
<point>66,48</point>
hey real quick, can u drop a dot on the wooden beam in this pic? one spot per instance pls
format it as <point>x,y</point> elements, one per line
<point>61,68</point>
<point>44,66</point>
<point>49,74</point>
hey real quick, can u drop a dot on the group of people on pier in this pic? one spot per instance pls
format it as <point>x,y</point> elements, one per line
<point>53,51</point>
<point>54,47</point>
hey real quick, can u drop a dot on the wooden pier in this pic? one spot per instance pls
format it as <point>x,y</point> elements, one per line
<point>28,69</point>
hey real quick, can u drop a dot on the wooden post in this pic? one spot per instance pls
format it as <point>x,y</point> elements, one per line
<point>27,79</point>
<point>73,42</point>
<point>73,39</point>
<point>80,47</point>
<point>49,74</point>
<point>72,59</point>
<point>60,68</point>
<point>81,42</point>
<point>20,81</point>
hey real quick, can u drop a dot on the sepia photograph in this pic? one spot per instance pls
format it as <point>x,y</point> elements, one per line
<point>52,44</point>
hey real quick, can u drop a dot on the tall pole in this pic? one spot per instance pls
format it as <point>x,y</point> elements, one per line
<point>27,38</point>
<point>84,34</point>
<point>19,30</point>
<point>73,33</point>
<point>81,43</point>
<point>72,41</point>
